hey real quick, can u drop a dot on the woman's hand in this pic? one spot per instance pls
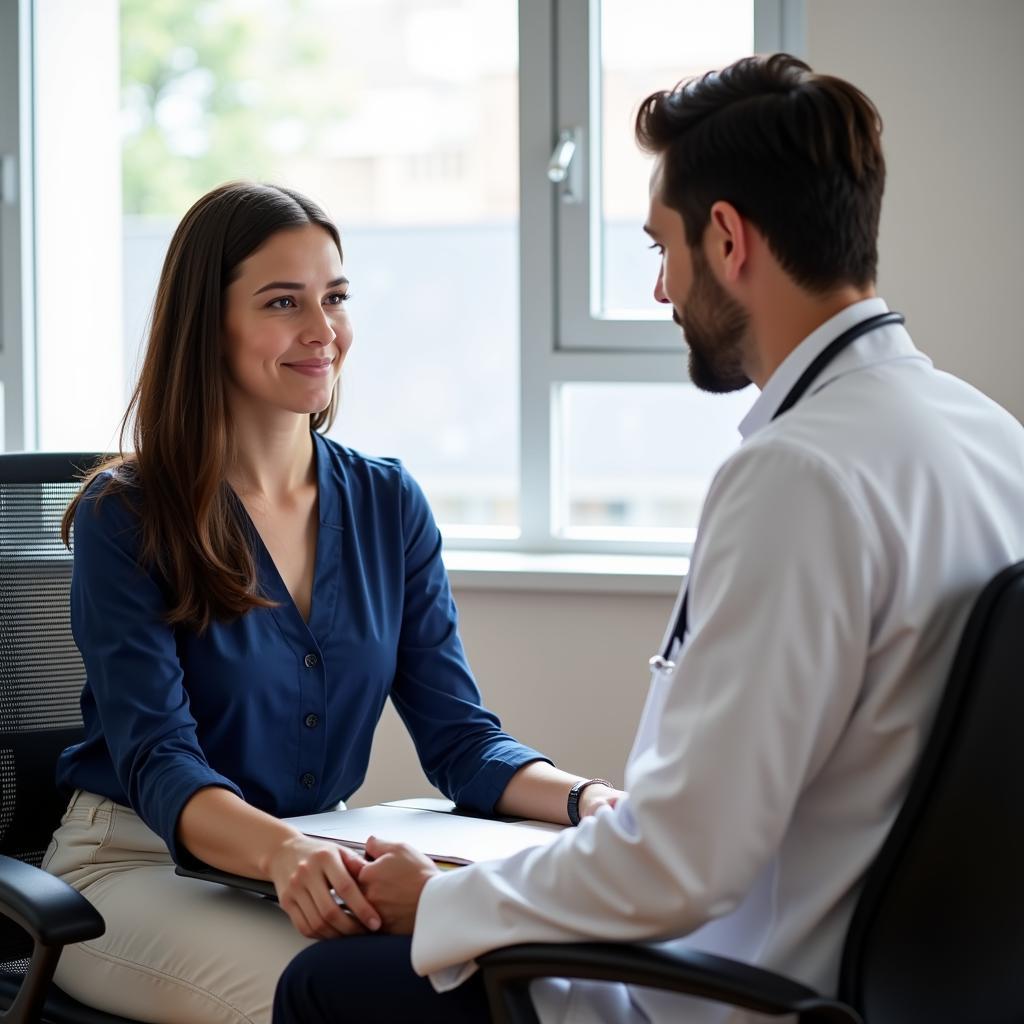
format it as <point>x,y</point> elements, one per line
<point>596,796</point>
<point>221,829</point>
<point>304,871</point>
<point>394,881</point>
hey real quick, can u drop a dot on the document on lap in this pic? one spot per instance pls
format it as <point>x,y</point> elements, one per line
<point>449,837</point>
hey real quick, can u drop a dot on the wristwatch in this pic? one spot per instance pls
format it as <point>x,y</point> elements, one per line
<point>573,805</point>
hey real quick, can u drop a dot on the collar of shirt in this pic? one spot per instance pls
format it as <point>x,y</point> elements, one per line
<point>328,492</point>
<point>789,370</point>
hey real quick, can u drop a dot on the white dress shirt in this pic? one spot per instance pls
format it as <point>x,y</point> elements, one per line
<point>839,552</point>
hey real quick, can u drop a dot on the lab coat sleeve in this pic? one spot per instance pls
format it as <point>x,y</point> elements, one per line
<point>779,624</point>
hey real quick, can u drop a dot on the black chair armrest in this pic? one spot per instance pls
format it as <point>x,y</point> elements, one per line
<point>47,908</point>
<point>55,915</point>
<point>507,973</point>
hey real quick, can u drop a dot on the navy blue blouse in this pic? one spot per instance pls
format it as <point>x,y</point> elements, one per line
<point>280,712</point>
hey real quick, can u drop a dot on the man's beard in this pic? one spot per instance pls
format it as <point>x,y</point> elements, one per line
<point>715,328</point>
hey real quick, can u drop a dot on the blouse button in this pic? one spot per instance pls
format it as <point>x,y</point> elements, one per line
<point>311,721</point>
<point>311,661</point>
<point>308,780</point>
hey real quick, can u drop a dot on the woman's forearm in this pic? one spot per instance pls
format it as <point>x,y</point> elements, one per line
<point>540,791</point>
<point>224,831</point>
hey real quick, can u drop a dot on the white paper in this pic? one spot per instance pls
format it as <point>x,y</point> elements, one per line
<point>445,837</point>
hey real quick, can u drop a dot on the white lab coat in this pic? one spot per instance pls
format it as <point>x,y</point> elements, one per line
<point>838,555</point>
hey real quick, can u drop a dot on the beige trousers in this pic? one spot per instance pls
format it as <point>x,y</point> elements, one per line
<point>176,950</point>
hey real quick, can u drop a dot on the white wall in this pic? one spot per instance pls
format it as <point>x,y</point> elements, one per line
<point>566,672</point>
<point>948,78</point>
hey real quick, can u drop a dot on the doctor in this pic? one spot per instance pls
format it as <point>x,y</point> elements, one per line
<point>838,555</point>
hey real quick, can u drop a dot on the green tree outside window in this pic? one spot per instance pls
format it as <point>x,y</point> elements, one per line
<point>214,90</point>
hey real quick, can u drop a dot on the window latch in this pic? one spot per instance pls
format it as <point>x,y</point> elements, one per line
<point>8,179</point>
<point>564,168</point>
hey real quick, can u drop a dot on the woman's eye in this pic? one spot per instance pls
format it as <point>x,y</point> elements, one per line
<point>659,249</point>
<point>336,299</point>
<point>282,303</point>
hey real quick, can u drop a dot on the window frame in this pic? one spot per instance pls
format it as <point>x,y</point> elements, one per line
<point>18,427</point>
<point>561,341</point>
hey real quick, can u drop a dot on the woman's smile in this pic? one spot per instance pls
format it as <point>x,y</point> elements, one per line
<point>311,367</point>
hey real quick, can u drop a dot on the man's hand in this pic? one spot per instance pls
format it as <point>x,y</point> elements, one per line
<point>393,882</point>
<point>304,871</point>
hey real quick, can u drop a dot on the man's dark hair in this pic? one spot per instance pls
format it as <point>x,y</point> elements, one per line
<point>797,153</point>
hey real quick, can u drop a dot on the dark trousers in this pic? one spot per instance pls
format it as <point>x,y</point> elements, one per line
<point>368,979</point>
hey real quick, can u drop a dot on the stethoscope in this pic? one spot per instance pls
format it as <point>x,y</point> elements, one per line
<point>663,662</point>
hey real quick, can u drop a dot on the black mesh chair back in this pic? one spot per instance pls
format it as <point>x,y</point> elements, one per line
<point>41,671</point>
<point>938,934</point>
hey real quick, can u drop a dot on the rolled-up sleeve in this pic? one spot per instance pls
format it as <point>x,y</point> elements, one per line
<point>118,617</point>
<point>460,744</point>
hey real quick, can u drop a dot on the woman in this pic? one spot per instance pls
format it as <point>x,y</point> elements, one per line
<point>246,596</point>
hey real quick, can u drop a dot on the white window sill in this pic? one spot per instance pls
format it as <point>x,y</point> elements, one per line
<point>566,573</point>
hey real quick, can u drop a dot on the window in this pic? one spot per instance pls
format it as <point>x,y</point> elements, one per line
<point>614,54</point>
<point>400,121</point>
<point>601,361</point>
<point>507,345</point>
<point>637,458</point>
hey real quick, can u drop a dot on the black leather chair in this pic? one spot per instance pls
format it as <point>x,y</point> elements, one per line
<point>937,936</point>
<point>41,677</point>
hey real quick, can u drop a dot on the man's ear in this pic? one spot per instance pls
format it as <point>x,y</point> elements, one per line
<point>726,240</point>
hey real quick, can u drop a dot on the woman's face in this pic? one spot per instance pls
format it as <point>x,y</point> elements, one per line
<point>286,330</point>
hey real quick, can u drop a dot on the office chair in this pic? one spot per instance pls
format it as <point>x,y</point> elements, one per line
<point>937,934</point>
<point>41,677</point>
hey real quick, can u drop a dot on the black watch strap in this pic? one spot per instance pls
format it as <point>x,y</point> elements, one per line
<point>573,804</point>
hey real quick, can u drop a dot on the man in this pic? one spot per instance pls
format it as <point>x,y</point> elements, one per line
<point>839,552</point>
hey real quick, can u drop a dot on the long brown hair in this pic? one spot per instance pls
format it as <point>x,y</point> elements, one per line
<point>797,153</point>
<point>192,532</point>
